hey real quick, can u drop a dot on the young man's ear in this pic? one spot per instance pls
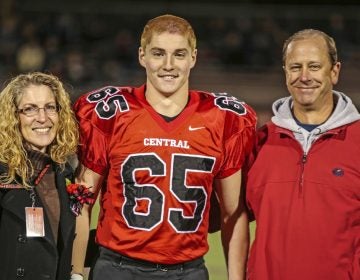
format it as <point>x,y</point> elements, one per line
<point>193,57</point>
<point>141,56</point>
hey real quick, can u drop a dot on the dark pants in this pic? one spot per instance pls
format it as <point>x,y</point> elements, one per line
<point>112,266</point>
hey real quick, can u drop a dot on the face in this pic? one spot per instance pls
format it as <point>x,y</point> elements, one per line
<point>309,74</point>
<point>40,129</point>
<point>168,60</point>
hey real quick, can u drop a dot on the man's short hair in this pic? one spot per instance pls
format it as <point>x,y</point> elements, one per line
<point>312,33</point>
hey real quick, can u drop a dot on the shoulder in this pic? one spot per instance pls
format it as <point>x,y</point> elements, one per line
<point>351,131</point>
<point>264,132</point>
<point>100,107</point>
<point>103,101</point>
<point>230,106</point>
<point>355,125</point>
<point>234,115</point>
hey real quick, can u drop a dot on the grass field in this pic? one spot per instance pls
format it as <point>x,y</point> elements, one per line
<point>215,261</point>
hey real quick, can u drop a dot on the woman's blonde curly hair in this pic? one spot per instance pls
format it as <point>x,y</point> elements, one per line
<point>12,150</point>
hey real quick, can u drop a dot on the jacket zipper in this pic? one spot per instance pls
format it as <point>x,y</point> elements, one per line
<point>303,161</point>
<point>305,156</point>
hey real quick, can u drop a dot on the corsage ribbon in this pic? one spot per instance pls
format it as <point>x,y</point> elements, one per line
<point>79,195</point>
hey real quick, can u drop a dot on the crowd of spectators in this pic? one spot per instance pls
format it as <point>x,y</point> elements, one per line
<point>84,48</point>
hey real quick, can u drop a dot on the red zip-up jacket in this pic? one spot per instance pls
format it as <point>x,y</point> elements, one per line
<point>306,206</point>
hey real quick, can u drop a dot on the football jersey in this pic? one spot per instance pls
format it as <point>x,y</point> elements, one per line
<point>159,175</point>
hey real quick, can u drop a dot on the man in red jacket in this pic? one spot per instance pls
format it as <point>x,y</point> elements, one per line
<point>303,185</point>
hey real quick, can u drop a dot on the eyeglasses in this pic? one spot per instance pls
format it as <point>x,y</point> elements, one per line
<point>32,110</point>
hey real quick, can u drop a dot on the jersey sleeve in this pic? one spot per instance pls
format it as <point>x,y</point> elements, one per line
<point>94,136</point>
<point>239,138</point>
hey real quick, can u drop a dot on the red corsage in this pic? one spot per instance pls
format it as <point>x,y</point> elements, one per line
<point>79,194</point>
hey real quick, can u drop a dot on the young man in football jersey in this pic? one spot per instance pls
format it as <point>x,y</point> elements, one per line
<point>155,153</point>
<point>307,201</point>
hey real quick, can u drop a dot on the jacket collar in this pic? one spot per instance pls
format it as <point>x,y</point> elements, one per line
<point>15,201</point>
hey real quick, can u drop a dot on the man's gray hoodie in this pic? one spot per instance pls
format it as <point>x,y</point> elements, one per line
<point>345,112</point>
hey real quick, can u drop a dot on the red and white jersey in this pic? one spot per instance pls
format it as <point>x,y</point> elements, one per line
<point>159,175</point>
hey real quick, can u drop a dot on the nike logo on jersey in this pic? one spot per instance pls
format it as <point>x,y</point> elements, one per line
<point>195,128</point>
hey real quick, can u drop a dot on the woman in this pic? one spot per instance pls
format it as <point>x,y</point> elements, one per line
<point>38,134</point>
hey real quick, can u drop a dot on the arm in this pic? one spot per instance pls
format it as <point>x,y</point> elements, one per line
<point>93,180</point>
<point>234,225</point>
